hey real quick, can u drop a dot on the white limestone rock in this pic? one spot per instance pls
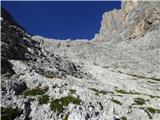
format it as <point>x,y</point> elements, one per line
<point>99,79</point>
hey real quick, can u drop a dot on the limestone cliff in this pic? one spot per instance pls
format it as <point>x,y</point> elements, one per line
<point>134,19</point>
<point>115,76</point>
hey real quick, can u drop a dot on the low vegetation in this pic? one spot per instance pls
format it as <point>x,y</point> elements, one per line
<point>126,92</point>
<point>139,101</point>
<point>10,113</point>
<point>123,118</point>
<point>116,101</point>
<point>153,110</point>
<point>59,104</point>
<point>35,91</point>
<point>43,99</point>
<point>121,91</point>
<point>72,91</point>
<point>152,96</point>
<point>97,92</point>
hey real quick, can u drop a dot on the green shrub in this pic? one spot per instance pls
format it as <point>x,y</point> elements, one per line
<point>139,101</point>
<point>152,96</point>
<point>72,91</point>
<point>126,92</point>
<point>10,113</point>
<point>35,91</point>
<point>43,99</point>
<point>97,92</point>
<point>103,92</point>
<point>153,110</point>
<point>116,101</point>
<point>123,118</point>
<point>59,104</point>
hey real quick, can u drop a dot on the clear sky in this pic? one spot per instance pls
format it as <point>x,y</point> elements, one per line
<point>60,20</point>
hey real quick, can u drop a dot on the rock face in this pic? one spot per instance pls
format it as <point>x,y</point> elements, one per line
<point>134,19</point>
<point>115,76</point>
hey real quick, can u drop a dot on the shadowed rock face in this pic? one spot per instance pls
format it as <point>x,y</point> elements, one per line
<point>114,76</point>
<point>18,45</point>
<point>6,16</point>
<point>10,35</point>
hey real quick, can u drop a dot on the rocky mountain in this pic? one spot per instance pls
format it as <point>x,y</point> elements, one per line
<point>114,76</point>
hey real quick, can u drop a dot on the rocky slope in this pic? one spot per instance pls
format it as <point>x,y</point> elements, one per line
<point>114,76</point>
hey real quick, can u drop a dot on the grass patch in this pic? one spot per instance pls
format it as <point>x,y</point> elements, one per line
<point>72,91</point>
<point>126,92</point>
<point>116,101</point>
<point>35,91</point>
<point>10,113</point>
<point>153,110</point>
<point>123,118</point>
<point>152,96</point>
<point>59,104</point>
<point>134,93</point>
<point>103,92</point>
<point>97,92</point>
<point>43,99</point>
<point>139,101</point>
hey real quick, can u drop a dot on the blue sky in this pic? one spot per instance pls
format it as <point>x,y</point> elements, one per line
<point>60,20</point>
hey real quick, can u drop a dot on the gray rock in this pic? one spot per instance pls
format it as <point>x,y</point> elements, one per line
<point>115,75</point>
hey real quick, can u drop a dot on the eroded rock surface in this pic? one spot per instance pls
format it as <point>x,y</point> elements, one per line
<point>116,75</point>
